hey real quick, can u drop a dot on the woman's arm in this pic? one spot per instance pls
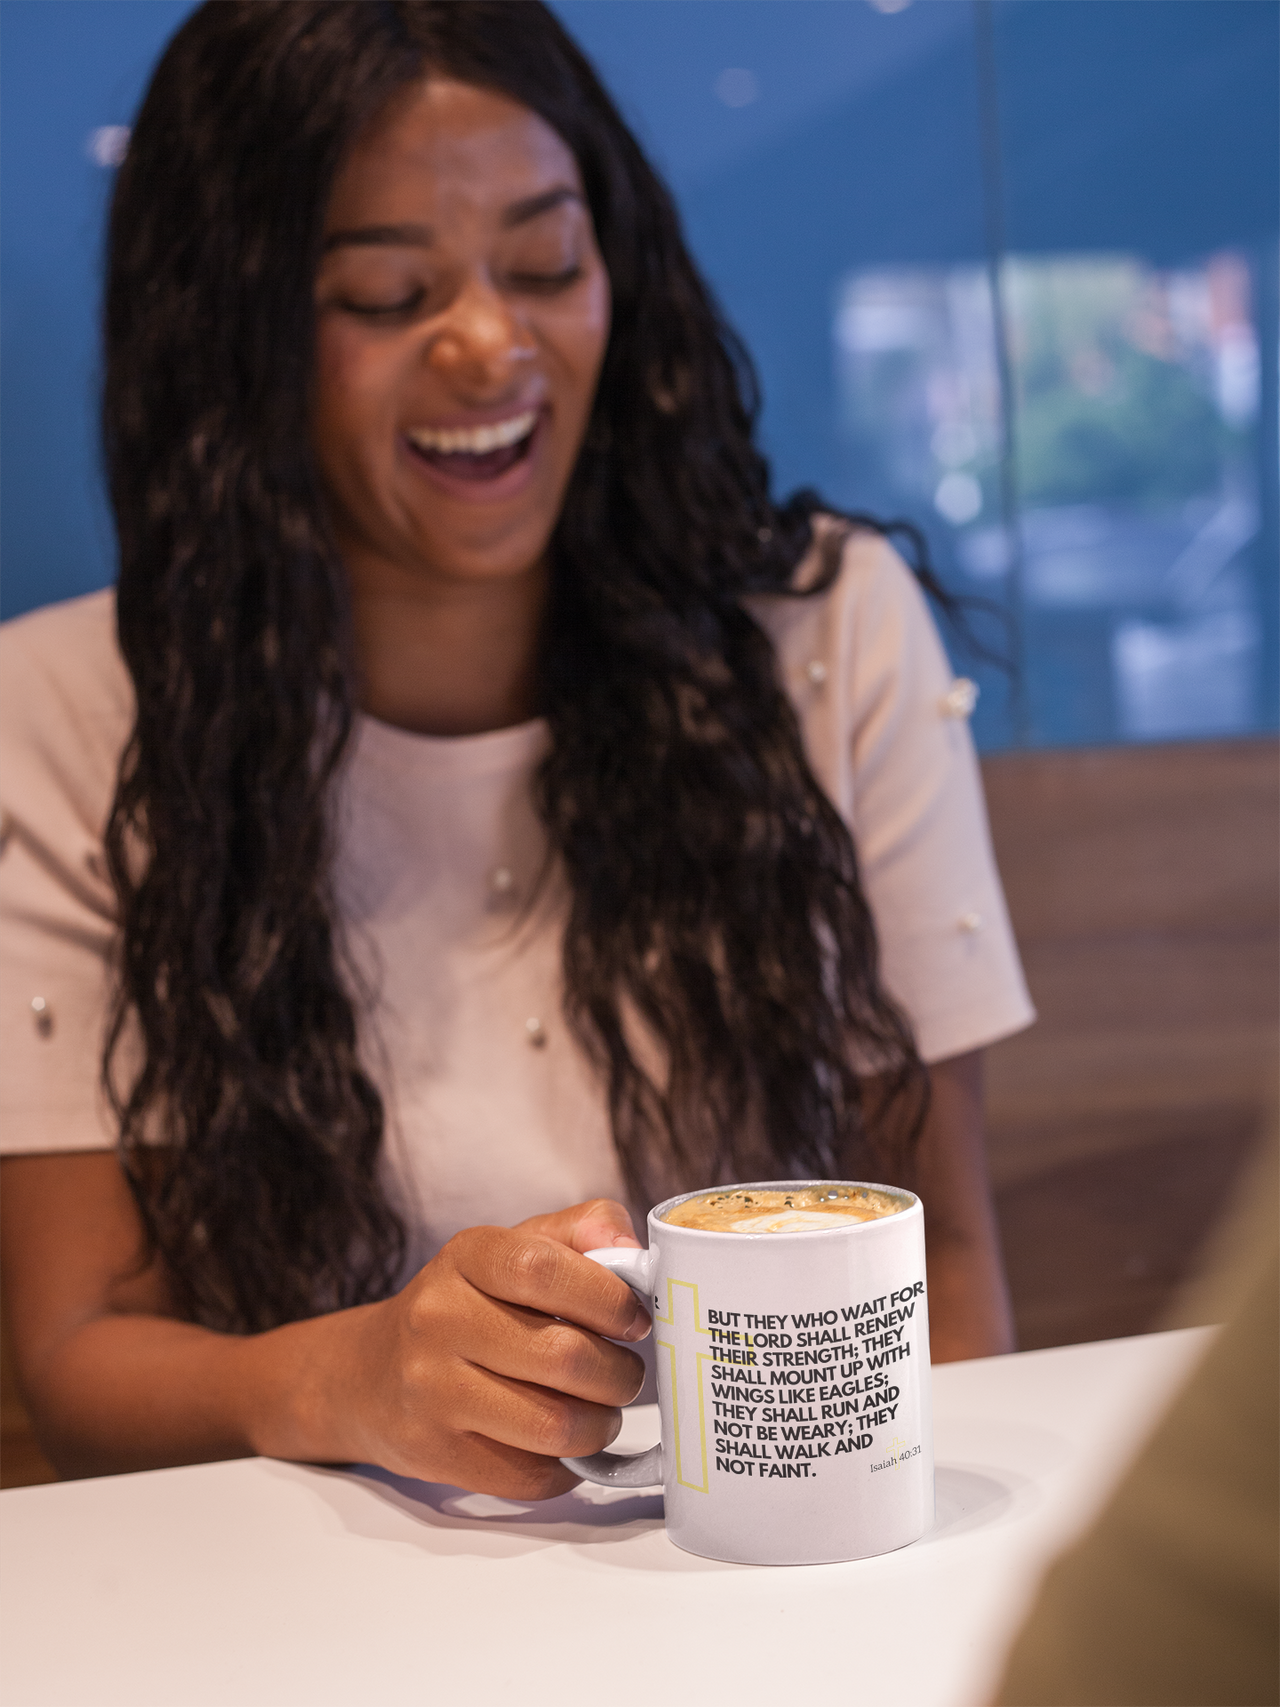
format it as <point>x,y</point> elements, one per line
<point>969,1309</point>
<point>486,1369</point>
<point>970,1314</point>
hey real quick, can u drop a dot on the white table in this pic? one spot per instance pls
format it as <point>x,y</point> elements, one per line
<point>262,1584</point>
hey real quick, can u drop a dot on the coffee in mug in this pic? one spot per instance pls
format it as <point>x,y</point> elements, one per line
<point>802,1209</point>
<point>792,1335</point>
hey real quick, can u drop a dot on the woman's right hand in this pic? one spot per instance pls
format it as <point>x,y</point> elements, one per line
<point>493,1363</point>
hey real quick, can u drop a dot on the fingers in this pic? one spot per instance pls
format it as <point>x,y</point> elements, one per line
<point>599,1225</point>
<point>530,1418</point>
<point>496,1361</point>
<point>539,1273</point>
<point>524,1345</point>
<point>507,1437</point>
<point>487,1467</point>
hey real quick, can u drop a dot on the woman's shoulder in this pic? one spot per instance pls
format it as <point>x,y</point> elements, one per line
<point>872,603</point>
<point>68,648</point>
<point>85,625</point>
<point>66,701</point>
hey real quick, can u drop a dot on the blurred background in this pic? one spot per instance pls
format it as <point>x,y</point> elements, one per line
<point>1008,269</point>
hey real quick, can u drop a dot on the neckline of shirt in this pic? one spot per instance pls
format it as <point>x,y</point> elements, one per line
<point>496,751</point>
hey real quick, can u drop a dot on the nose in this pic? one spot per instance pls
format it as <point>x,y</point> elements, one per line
<point>479,345</point>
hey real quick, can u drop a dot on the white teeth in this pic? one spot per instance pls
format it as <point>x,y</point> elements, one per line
<point>475,441</point>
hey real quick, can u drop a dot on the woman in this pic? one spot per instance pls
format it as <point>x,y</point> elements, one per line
<point>455,831</point>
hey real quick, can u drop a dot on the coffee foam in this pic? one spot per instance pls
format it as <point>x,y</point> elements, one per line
<point>805,1209</point>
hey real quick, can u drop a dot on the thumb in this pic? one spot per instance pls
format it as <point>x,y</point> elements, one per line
<point>594,1226</point>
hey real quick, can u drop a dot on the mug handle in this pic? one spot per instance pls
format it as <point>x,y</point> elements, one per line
<point>623,1469</point>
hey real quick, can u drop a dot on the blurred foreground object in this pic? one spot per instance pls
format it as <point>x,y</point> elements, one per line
<point>1173,1598</point>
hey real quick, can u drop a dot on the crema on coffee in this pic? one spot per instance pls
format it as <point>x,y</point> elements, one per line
<point>806,1209</point>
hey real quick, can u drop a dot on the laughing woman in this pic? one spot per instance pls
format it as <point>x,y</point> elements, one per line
<point>479,797</point>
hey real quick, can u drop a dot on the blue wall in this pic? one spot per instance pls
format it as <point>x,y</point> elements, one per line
<point>851,139</point>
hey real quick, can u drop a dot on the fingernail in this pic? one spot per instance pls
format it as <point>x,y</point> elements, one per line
<point>627,1239</point>
<point>640,1324</point>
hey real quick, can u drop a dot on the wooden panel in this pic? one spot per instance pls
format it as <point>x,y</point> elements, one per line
<point>1127,1025</point>
<point>1155,982</point>
<point>1143,887</point>
<point>1175,1067</point>
<point>1132,839</point>
<point>1099,1247</point>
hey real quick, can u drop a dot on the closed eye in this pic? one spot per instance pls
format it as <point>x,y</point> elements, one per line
<point>386,310</point>
<point>545,284</point>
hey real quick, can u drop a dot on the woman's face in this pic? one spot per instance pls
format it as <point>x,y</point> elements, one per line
<point>462,317</point>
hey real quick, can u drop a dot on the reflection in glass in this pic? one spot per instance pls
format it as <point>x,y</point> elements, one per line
<point>918,387</point>
<point>1135,417</point>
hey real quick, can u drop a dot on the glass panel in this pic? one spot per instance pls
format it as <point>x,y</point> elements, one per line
<point>847,169</point>
<point>71,75</point>
<point>920,434</point>
<point>1138,198</point>
<point>1136,410</point>
<point>857,156</point>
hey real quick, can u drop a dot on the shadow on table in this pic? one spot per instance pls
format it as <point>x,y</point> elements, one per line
<point>443,1519</point>
<point>969,1498</point>
<point>594,1510</point>
<point>440,1518</point>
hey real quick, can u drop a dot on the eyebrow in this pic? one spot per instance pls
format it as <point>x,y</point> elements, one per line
<point>422,236</point>
<point>519,213</point>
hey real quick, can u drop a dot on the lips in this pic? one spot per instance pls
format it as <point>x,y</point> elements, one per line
<point>476,454</point>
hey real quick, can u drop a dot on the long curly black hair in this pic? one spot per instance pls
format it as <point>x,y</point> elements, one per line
<point>714,888</point>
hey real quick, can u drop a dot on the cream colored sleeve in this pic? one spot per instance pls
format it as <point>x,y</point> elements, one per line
<point>64,713</point>
<point>869,678</point>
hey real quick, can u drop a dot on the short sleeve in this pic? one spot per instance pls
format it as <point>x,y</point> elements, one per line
<point>65,713</point>
<point>891,745</point>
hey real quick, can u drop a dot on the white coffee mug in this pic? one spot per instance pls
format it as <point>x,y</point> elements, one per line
<point>793,1383</point>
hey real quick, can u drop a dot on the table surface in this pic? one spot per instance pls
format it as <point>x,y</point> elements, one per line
<point>258,1582</point>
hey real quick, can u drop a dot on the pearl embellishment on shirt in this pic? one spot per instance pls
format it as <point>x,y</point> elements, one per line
<point>970,923</point>
<point>43,1015</point>
<point>960,698</point>
<point>534,1032</point>
<point>816,671</point>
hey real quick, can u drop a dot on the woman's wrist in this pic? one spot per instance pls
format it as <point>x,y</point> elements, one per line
<point>295,1387</point>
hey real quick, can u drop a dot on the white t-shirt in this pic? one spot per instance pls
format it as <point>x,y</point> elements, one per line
<point>493,1112</point>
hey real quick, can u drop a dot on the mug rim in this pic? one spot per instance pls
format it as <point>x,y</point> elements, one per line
<point>658,1213</point>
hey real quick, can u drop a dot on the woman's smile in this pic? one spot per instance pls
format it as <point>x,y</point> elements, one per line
<point>481,462</point>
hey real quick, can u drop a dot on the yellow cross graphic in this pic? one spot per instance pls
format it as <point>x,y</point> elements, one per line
<point>686,1377</point>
